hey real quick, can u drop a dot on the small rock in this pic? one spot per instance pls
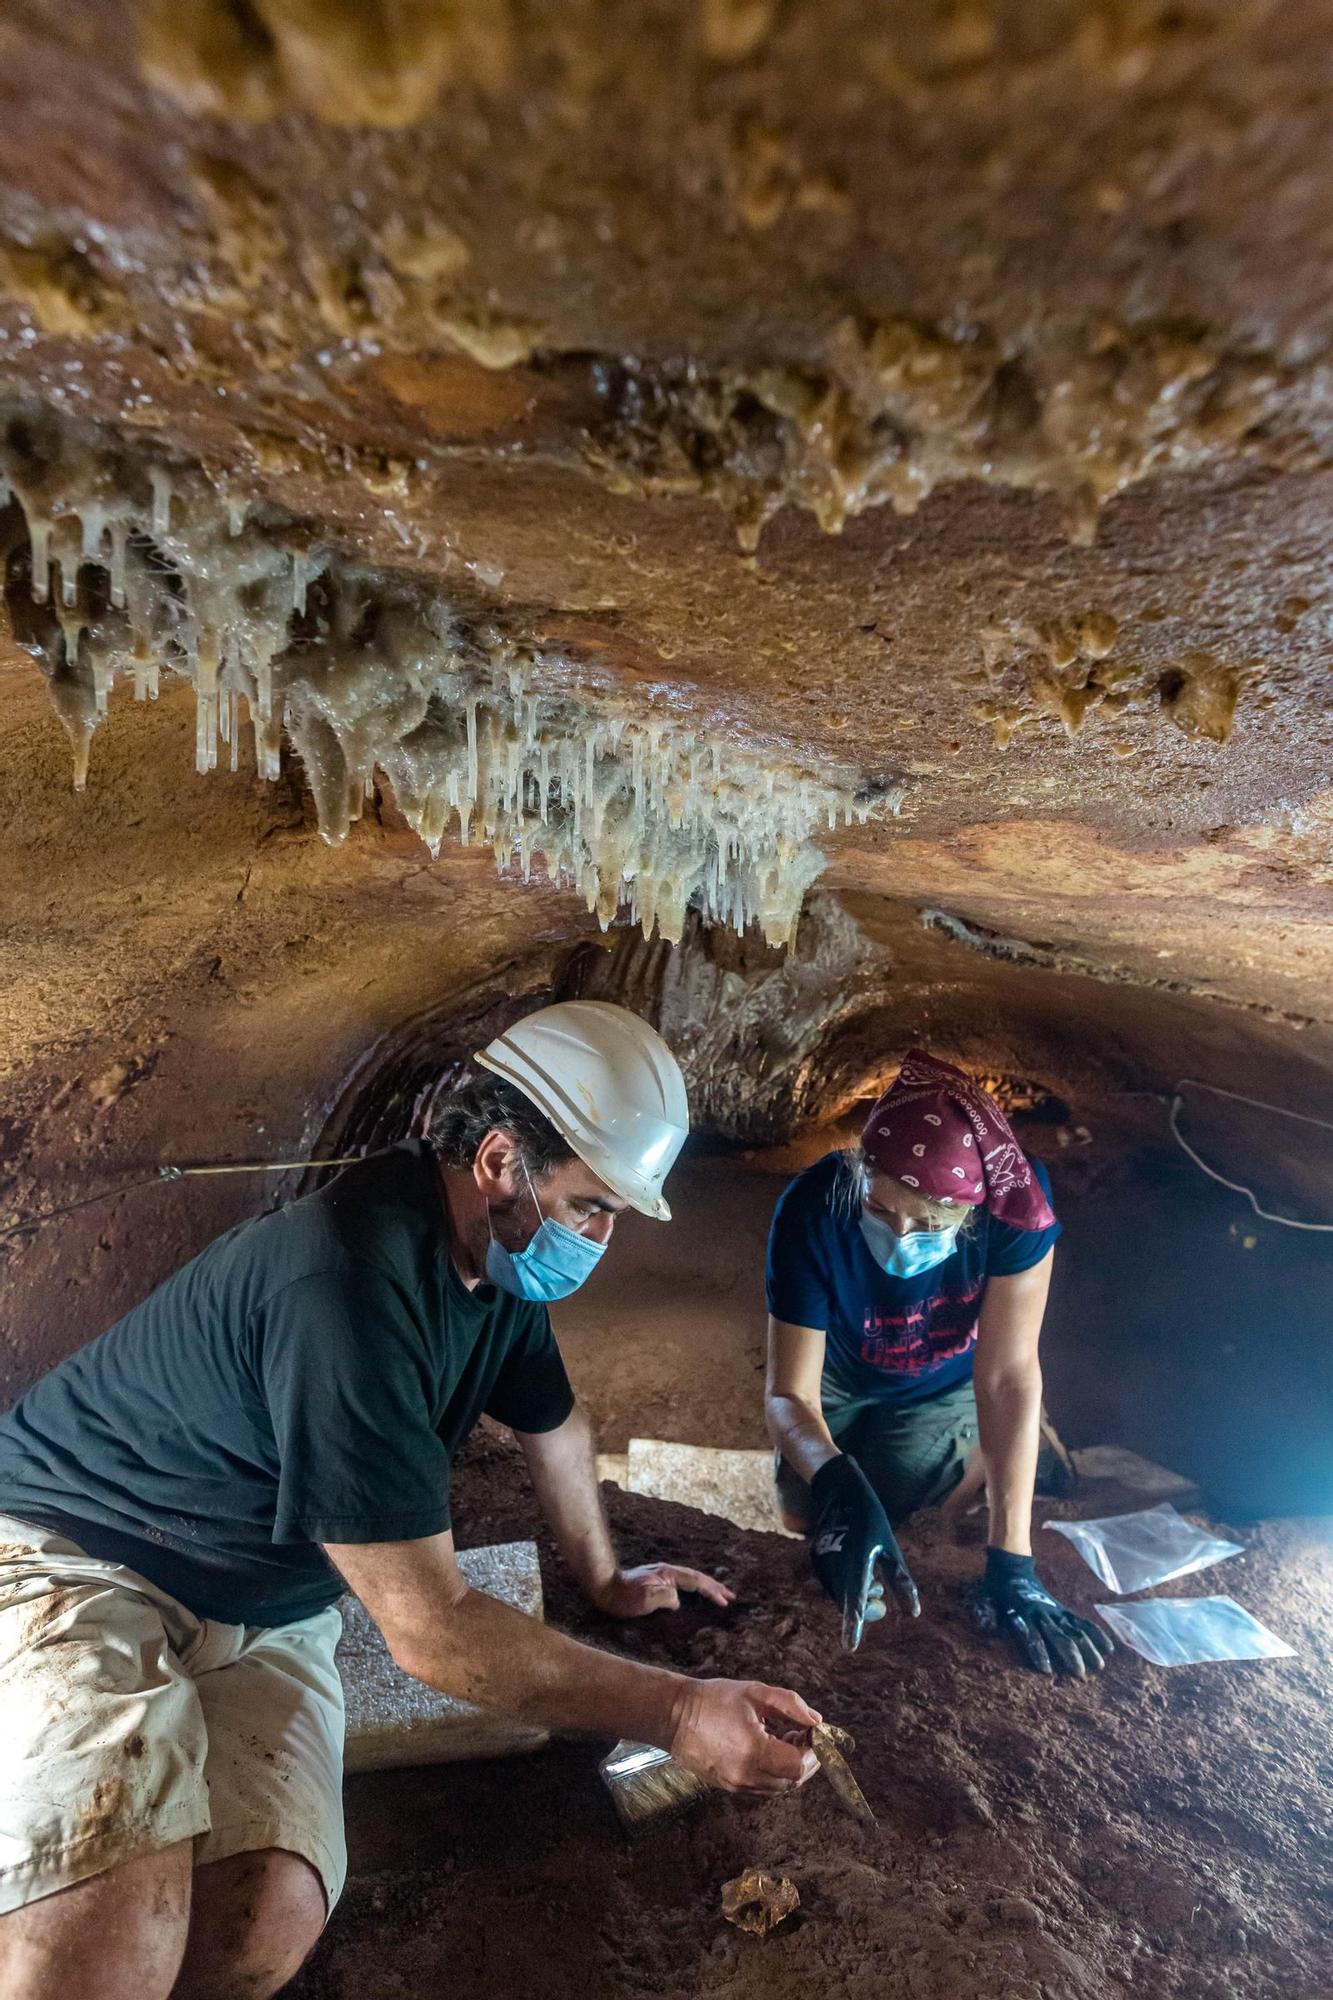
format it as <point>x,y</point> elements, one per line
<point>1018,1911</point>
<point>106,1089</point>
<point>971,1804</point>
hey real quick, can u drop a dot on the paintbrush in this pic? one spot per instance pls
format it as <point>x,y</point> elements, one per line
<point>646,1783</point>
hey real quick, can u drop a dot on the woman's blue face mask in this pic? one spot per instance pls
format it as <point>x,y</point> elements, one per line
<point>556,1262</point>
<point>907,1256</point>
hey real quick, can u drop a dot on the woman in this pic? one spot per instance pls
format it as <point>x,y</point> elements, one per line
<point>907,1281</point>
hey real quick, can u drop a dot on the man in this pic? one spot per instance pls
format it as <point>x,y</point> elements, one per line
<point>186,1499</point>
<point>907,1283</point>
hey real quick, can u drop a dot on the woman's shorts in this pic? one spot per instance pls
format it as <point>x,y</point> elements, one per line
<point>913,1457</point>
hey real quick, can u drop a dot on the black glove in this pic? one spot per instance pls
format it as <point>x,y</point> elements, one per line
<point>849,1536</point>
<point>1049,1638</point>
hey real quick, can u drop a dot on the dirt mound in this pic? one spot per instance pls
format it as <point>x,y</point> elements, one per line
<point>1165,1833</point>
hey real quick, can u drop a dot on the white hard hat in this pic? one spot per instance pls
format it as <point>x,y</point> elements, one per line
<point>610,1086</point>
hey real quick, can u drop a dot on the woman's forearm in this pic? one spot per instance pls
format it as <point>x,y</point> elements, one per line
<point>1009,1420</point>
<point>800,1433</point>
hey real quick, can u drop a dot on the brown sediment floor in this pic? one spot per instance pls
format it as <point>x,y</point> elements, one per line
<point>1161,1833</point>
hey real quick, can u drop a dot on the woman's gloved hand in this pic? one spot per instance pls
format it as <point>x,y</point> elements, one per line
<point>1049,1638</point>
<point>850,1537</point>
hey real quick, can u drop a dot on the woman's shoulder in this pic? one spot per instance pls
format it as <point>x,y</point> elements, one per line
<point>814,1187</point>
<point>1040,1170</point>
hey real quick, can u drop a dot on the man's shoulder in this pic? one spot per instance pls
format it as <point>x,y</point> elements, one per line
<point>519,1322</point>
<point>375,1217</point>
<point>400,1178</point>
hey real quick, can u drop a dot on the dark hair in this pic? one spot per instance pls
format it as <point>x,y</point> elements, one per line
<point>460,1118</point>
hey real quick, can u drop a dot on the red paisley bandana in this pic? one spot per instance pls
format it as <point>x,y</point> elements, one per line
<point>936,1130</point>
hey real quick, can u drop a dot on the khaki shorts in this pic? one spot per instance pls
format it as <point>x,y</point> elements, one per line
<point>127,1724</point>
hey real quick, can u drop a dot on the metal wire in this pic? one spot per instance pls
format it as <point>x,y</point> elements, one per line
<point>255,1166</point>
<point>1238,1187</point>
<point>171,1172</point>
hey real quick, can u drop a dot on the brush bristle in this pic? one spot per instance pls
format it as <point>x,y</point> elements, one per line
<point>643,1790</point>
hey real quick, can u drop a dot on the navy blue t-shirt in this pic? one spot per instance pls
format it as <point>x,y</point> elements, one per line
<point>896,1339</point>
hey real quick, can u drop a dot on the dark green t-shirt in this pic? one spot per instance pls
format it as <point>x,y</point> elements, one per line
<point>305,1379</point>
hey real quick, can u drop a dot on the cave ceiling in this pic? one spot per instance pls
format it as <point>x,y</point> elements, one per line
<point>922,415</point>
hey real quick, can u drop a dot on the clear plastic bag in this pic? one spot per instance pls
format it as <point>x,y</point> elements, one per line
<point>1135,1551</point>
<point>1182,1631</point>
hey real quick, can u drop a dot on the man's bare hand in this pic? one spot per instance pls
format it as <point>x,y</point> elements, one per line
<point>633,1593</point>
<point>728,1733</point>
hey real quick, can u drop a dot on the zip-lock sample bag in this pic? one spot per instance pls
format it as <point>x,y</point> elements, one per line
<point>1135,1551</point>
<point>1183,1631</point>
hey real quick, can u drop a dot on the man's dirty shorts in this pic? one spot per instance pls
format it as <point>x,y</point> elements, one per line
<point>128,1724</point>
<point>913,1457</point>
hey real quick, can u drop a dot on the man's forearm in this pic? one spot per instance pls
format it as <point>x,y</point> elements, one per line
<point>483,1651</point>
<point>563,1468</point>
<point>800,1433</point>
<point>1009,1420</point>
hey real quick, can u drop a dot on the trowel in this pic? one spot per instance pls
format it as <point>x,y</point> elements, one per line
<point>828,1743</point>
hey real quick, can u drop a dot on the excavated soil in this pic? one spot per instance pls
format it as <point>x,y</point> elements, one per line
<point>1165,1833</point>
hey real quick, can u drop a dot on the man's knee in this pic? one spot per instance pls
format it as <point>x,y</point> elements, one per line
<point>255,1919</point>
<point>117,1936</point>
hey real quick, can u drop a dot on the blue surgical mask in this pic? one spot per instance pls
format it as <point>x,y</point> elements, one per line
<point>556,1262</point>
<point>906,1256</point>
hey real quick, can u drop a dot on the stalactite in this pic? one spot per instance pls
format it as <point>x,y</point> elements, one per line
<point>364,669</point>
